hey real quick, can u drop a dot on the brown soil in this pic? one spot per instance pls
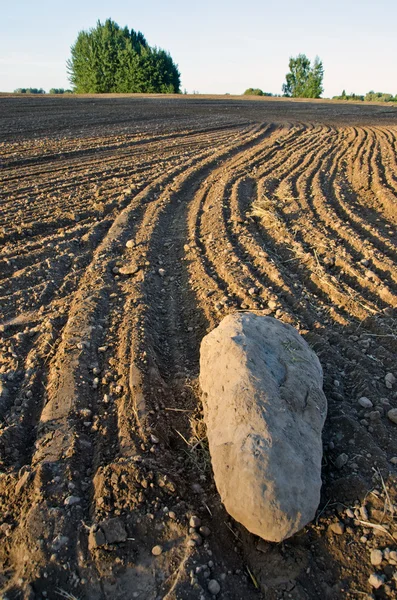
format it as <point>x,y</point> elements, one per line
<point>100,412</point>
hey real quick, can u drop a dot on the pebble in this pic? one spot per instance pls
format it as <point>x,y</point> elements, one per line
<point>70,500</point>
<point>130,244</point>
<point>392,415</point>
<point>195,521</point>
<point>341,461</point>
<point>390,380</point>
<point>205,531</point>
<point>393,557</point>
<point>365,402</point>
<point>213,587</point>
<point>337,528</point>
<point>157,550</point>
<point>376,557</point>
<point>272,304</point>
<point>130,269</point>
<point>161,272</point>
<point>252,291</point>
<point>375,580</point>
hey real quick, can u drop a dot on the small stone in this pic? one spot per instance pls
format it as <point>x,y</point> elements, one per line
<point>70,500</point>
<point>272,304</point>
<point>114,530</point>
<point>393,557</point>
<point>161,272</point>
<point>350,513</point>
<point>392,415</point>
<point>341,461</point>
<point>154,439</point>
<point>374,415</point>
<point>375,580</point>
<point>376,557</point>
<point>363,539</point>
<point>365,402</point>
<point>205,531</point>
<point>130,244</point>
<point>157,550</point>
<point>130,269</point>
<point>172,515</point>
<point>195,521</point>
<point>390,380</point>
<point>337,528</point>
<point>213,587</point>
<point>252,291</point>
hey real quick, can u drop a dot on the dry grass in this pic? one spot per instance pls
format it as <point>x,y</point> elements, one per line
<point>197,452</point>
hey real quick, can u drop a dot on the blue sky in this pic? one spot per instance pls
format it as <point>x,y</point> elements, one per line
<point>220,46</point>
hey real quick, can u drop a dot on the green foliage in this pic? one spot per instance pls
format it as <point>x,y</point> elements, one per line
<point>380,97</point>
<point>59,91</point>
<point>369,97</point>
<point>110,59</point>
<point>29,91</point>
<point>304,81</point>
<point>352,97</point>
<point>256,92</point>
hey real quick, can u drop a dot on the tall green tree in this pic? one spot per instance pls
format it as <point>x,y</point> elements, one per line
<point>111,59</point>
<point>303,80</point>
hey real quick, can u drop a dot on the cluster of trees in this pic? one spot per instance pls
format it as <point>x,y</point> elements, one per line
<point>29,91</point>
<point>256,92</point>
<point>109,59</point>
<point>304,80</point>
<point>369,97</point>
<point>60,91</point>
<point>41,91</point>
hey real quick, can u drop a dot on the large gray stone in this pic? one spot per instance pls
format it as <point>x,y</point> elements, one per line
<point>264,409</point>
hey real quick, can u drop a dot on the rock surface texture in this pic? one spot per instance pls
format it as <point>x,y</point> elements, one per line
<point>264,409</point>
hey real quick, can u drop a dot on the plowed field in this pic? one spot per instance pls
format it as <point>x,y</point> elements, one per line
<point>129,228</point>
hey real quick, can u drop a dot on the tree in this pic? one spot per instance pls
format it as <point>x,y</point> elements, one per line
<point>111,59</point>
<point>304,81</point>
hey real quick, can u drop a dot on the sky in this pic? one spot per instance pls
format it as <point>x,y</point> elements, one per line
<point>220,47</point>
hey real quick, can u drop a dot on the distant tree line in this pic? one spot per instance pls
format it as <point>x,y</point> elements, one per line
<point>256,92</point>
<point>29,91</point>
<point>41,91</point>
<point>60,91</point>
<point>109,59</point>
<point>369,97</point>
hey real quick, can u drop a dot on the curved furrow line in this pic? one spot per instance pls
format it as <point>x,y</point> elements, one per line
<point>365,251</point>
<point>109,166</point>
<point>347,224</point>
<point>65,446</point>
<point>136,207</point>
<point>348,269</point>
<point>248,301</point>
<point>304,230</point>
<point>243,280</point>
<point>388,146</point>
<point>384,192</point>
